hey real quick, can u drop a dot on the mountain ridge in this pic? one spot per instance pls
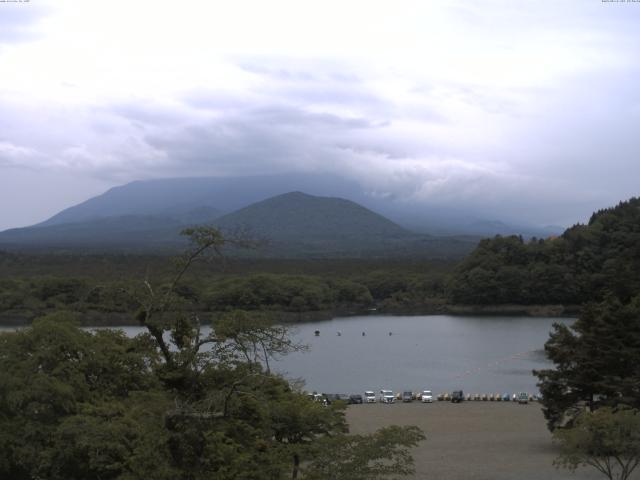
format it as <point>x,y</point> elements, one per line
<point>296,225</point>
<point>174,197</point>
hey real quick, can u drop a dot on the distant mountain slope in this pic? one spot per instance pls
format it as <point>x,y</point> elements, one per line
<point>126,232</point>
<point>176,197</point>
<point>294,224</point>
<point>296,215</point>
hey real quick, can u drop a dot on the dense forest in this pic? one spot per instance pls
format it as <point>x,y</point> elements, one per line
<point>583,264</point>
<point>102,288</point>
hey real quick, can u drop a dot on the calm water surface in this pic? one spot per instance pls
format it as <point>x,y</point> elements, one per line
<point>437,352</point>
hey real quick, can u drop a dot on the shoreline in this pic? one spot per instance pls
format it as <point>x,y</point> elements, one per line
<point>101,319</point>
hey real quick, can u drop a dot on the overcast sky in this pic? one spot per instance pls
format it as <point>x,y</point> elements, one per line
<point>523,109</point>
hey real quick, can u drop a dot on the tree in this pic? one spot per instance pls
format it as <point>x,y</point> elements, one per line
<point>607,440</point>
<point>365,457</point>
<point>77,405</point>
<point>172,403</point>
<point>596,362</point>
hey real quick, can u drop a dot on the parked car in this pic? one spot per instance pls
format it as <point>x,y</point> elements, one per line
<point>523,397</point>
<point>355,399</point>
<point>369,396</point>
<point>386,396</point>
<point>426,396</point>
<point>457,396</point>
<point>407,397</point>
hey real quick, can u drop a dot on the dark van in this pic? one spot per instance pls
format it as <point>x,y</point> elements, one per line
<point>457,396</point>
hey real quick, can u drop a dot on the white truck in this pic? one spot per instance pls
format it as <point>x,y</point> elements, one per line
<point>426,396</point>
<point>387,396</point>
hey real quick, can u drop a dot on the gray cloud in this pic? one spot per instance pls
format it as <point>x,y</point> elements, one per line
<point>554,166</point>
<point>548,149</point>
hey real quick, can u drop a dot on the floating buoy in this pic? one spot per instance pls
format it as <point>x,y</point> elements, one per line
<point>317,333</point>
<point>339,333</point>
<point>363,334</point>
<point>390,333</point>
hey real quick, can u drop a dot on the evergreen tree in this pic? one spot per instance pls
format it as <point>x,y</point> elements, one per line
<point>597,361</point>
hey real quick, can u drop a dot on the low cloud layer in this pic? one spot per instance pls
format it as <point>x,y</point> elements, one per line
<point>526,114</point>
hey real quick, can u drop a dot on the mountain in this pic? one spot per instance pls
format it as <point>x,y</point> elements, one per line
<point>122,233</point>
<point>176,197</point>
<point>293,225</point>
<point>302,216</point>
<point>296,224</point>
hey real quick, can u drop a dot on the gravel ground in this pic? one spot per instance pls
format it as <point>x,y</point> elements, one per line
<point>473,440</point>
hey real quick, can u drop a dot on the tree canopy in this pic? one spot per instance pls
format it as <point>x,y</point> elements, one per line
<point>607,440</point>
<point>176,402</point>
<point>596,361</point>
<point>584,264</point>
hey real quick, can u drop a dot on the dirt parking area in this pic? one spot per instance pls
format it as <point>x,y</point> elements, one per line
<point>473,440</point>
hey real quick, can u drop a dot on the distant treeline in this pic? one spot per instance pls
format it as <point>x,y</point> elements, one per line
<point>106,287</point>
<point>584,264</point>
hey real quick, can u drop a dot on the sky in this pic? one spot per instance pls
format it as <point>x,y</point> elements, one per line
<point>524,111</point>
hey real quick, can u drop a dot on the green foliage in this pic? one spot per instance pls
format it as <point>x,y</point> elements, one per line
<point>607,440</point>
<point>78,405</point>
<point>596,361</point>
<point>173,403</point>
<point>104,292</point>
<point>584,264</point>
<point>286,292</point>
<point>365,457</point>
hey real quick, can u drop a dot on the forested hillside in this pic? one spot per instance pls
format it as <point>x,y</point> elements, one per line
<point>583,264</point>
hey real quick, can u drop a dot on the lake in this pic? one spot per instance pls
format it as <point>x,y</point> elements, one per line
<point>478,354</point>
<point>436,352</point>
